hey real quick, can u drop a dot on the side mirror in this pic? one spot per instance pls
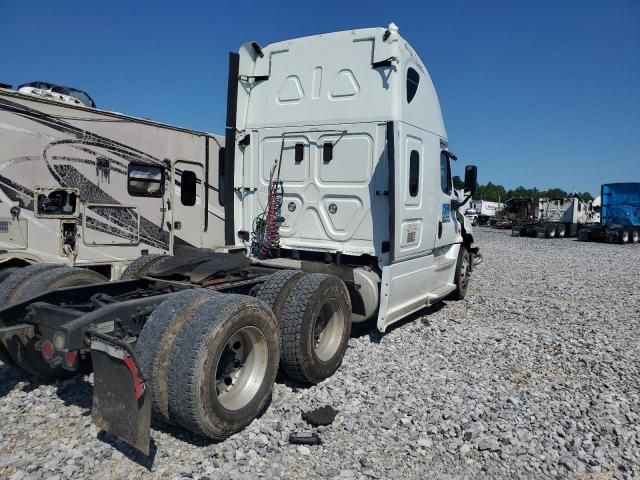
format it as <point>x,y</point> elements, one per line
<point>470,179</point>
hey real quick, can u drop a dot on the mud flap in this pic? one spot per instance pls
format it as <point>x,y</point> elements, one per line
<point>121,400</point>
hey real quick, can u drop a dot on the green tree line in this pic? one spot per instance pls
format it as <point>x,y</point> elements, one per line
<point>495,193</point>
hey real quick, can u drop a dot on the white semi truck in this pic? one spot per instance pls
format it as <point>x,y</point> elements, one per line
<point>342,197</point>
<point>91,188</point>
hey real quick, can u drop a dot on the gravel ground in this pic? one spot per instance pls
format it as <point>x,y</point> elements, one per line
<point>534,375</point>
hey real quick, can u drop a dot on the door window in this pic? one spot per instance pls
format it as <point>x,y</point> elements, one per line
<point>445,173</point>
<point>414,173</point>
<point>188,185</point>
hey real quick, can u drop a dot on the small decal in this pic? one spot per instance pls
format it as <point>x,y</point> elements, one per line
<point>412,233</point>
<point>446,212</point>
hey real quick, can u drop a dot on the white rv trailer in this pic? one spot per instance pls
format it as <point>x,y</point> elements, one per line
<point>93,188</point>
<point>342,195</point>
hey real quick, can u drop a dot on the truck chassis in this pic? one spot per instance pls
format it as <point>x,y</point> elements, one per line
<point>609,233</point>
<point>140,337</point>
<point>541,229</point>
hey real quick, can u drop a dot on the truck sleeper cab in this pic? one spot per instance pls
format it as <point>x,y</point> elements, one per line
<point>361,151</point>
<point>338,186</point>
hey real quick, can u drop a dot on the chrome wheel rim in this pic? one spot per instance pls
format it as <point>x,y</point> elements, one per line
<point>635,236</point>
<point>625,237</point>
<point>464,272</point>
<point>327,330</point>
<point>241,368</point>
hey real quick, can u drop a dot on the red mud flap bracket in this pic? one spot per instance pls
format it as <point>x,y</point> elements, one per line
<point>121,400</point>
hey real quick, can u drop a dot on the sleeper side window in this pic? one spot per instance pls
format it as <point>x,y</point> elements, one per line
<point>445,173</point>
<point>188,185</point>
<point>413,80</point>
<point>414,173</point>
<point>145,180</point>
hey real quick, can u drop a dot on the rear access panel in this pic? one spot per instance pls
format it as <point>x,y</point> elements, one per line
<point>330,178</point>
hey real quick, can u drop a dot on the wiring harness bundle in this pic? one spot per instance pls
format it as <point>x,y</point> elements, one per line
<point>265,235</point>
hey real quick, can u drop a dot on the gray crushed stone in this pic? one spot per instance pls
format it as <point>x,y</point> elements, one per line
<point>536,374</point>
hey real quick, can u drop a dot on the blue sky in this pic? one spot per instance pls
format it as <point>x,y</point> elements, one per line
<point>536,93</point>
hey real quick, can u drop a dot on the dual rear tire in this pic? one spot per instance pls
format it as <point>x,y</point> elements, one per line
<point>28,282</point>
<point>210,359</point>
<point>314,316</point>
<point>561,230</point>
<point>141,266</point>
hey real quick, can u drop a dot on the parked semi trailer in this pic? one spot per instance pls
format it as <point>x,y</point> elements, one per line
<point>92,188</point>
<point>619,215</point>
<point>341,194</point>
<point>485,210</point>
<point>557,218</point>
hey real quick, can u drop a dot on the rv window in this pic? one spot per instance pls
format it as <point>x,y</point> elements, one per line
<point>145,180</point>
<point>413,79</point>
<point>414,173</point>
<point>188,181</point>
<point>445,173</point>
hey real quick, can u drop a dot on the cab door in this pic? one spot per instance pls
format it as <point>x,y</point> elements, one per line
<point>187,204</point>
<point>415,166</point>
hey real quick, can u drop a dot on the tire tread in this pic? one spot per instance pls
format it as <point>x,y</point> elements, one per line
<point>294,358</point>
<point>159,334</point>
<point>278,285</point>
<point>13,281</point>
<point>140,265</point>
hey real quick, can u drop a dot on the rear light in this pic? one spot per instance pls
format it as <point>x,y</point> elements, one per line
<point>138,386</point>
<point>70,358</point>
<point>47,350</point>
